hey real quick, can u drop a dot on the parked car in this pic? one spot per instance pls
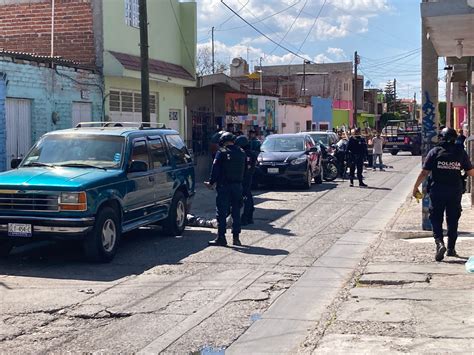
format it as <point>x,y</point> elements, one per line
<point>289,158</point>
<point>328,138</point>
<point>95,182</point>
<point>402,135</point>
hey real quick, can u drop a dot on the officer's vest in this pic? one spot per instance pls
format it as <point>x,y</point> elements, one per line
<point>233,165</point>
<point>447,169</point>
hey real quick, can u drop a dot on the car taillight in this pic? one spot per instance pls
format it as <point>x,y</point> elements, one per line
<point>407,140</point>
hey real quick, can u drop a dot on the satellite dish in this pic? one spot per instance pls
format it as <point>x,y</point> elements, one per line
<point>236,62</point>
<point>367,83</point>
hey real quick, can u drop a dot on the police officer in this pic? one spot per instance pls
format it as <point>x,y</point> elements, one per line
<point>251,161</point>
<point>445,163</point>
<point>357,149</point>
<point>227,175</point>
<point>254,142</point>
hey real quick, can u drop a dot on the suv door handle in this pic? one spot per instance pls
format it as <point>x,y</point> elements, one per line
<point>151,178</point>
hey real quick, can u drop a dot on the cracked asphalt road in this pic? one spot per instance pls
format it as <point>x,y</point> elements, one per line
<point>178,292</point>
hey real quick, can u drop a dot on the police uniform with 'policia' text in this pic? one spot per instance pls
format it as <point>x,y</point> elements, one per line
<point>227,174</point>
<point>446,162</point>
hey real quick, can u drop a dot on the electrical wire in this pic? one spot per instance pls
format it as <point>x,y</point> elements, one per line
<point>263,34</point>
<point>232,16</point>
<point>291,27</point>
<point>312,27</point>
<point>263,18</point>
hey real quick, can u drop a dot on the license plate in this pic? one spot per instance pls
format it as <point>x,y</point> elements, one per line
<point>273,170</point>
<point>19,230</point>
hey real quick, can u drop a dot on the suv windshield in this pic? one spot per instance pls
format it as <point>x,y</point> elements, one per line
<point>283,144</point>
<point>90,151</point>
<point>319,137</point>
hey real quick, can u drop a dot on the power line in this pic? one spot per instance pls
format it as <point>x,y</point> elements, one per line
<point>262,19</point>
<point>289,29</point>
<point>312,27</point>
<point>232,16</point>
<point>263,34</point>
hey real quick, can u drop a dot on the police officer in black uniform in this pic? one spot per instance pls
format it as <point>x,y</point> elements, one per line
<point>227,175</point>
<point>357,150</point>
<point>251,161</point>
<point>445,163</point>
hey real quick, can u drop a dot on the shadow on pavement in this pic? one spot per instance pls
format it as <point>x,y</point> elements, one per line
<point>259,250</point>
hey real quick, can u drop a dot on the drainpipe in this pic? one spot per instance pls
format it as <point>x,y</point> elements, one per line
<point>52,27</point>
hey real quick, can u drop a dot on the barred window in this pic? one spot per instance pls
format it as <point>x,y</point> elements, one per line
<point>132,13</point>
<point>128,101</point>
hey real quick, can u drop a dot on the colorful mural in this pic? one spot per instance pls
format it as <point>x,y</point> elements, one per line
<point>252,106</point>
<point>270,114</point>
<point>236,104</point>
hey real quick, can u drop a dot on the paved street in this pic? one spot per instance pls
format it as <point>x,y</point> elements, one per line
<point>178,294</point>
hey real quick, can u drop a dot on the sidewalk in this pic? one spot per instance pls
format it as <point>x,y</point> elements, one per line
<point>403,301</point>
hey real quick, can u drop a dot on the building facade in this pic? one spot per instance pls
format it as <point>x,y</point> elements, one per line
<point>36,98</point>
<point>104,35</point>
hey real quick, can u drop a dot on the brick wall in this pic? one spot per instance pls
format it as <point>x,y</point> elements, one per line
<point>48,92</point>
<point>26,27</point>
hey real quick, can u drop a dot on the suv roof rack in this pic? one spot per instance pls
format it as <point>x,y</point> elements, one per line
<point>137,125</point>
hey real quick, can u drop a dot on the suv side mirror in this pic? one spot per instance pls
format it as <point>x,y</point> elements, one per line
<point>138,166</point>
<point>15,163</point>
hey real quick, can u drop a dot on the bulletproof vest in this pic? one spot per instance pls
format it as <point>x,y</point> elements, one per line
<point>233,164</point>
<point>447,169</point>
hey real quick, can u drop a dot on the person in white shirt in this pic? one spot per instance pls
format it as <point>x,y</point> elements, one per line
<point>377,142</point>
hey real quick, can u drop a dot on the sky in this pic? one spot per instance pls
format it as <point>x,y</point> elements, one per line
<point>385,33</point>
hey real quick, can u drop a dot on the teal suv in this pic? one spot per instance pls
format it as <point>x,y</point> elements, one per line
<point>95,182</point>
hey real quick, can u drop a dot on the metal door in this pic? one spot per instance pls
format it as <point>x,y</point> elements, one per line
<point>81,112</point>
<point>18,122</point>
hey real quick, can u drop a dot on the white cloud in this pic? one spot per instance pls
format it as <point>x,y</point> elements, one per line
<point>322,58</point>
<point>338,53</point>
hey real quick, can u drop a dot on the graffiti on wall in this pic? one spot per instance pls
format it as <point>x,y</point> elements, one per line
<point>236,104</point>
<point>429,123</point>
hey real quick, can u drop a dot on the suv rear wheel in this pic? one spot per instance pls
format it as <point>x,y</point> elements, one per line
<point>175,223</point>
<point>102,242</point>
<point>394,151</point>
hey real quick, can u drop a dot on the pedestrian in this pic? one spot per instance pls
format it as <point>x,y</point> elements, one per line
<point>251,161</point>
<point>254,142</point>
<point>377,143</point>
<point>461,138</point>
<point>357,149</point>
<point>227,175</point>
<point>445,163</point>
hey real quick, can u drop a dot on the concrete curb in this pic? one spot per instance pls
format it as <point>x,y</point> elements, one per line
<point>287,322</point>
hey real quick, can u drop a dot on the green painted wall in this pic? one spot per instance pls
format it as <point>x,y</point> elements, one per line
<point>170,96</point>
<point>165,39</point>
<point>340,118</point>
<point>362,118</point>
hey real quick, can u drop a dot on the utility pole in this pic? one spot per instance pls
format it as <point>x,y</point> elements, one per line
<point>354,93</point>
<point>261,75</point>
<point>213,62</point>
<point>143,17</point>
<point>414,106</point>
<point>304,77</point>
<point>395,95</point>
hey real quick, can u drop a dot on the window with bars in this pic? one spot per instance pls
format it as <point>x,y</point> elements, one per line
<point>132,13</point>
<point>127,101</point>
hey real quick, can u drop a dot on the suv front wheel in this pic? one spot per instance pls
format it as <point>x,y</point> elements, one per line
<point>175,223</point>
<point>102,242</point>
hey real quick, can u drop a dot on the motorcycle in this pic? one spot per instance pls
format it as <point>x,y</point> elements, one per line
<point>329,164</point>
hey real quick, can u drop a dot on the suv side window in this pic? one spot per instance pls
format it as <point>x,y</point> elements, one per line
<point>140,151</point>
<point>178,149</point>
<point>159,158</point>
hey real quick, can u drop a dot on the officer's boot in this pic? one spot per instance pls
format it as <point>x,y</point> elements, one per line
<point>352,182</point>
<point>361,183</point>
<point>452,252</point>
<point>236,240</point>
<point>440,249</point>
<point>219,241</point>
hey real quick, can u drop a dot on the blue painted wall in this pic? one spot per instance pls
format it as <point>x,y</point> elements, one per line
<point>322,110</point>
<point>49,92</point>
<point>3,137</point>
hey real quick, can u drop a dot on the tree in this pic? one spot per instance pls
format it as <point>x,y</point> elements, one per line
<point>442,113</point>
<point>204,62</point>
<point>390,98</point>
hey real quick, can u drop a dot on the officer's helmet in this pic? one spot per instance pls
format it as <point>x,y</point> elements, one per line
<point>242,141</point>
<point>226,137</point>
<point>216,137</point>
<point>448,135</point>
